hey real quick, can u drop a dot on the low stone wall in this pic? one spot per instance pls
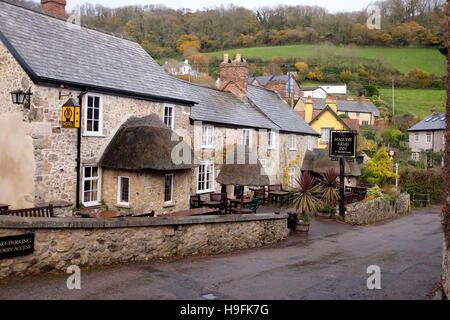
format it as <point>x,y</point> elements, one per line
<point>62,242</point>
<point>366,212</point>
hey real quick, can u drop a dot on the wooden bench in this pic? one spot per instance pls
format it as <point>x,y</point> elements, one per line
<point>39,212</point>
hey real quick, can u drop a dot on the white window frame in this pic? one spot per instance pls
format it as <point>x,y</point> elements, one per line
<point>310,144</point>
<point>358,114</point>
<point>249,137</point>
<point>429,138</point>
<point>271,140</point>
<point>414,156</point>
<point>416,137</point>
<point>171,189</point>
<point>209,138</point>
<point>119,191</point>
<point>100,116</point>
<point>212,177</point>
<point>99,185</point>
<point>171,107</point>
<point>292,142</point>
<point>365,122</point>
<point>444,137</point>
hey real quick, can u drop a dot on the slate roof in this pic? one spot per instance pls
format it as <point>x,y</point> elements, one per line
<point>52,50</point>
<point>430,123</point>
<point>224,107</point>
<point>347,106</point>
<point>263,80</point>
<point>264,110</point>
<point>277,110</point>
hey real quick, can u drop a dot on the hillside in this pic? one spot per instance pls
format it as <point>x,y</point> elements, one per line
<point>415,101</point>
<point>402,59</point>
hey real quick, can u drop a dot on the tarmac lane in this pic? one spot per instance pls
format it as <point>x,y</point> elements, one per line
<point>329,263</point>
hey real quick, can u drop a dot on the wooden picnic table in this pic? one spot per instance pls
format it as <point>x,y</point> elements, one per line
<point>193,212</point>
<point>278,194</point>
<point>109,214</point>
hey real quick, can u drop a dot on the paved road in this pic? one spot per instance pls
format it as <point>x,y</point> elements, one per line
<point>329,263</point>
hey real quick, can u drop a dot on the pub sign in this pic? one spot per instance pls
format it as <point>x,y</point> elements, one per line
<point>343,144</point>
<point>71,114</point>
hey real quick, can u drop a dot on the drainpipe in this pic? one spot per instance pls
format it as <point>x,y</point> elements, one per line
<point>80,102</point>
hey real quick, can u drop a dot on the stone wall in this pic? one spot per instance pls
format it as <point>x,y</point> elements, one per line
<point>62,242</point>
<point>367,212</point>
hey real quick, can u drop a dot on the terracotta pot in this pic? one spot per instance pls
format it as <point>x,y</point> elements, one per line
<point>302,227</point>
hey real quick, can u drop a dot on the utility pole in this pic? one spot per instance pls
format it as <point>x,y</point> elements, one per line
<point>393,98</point>
<point>342,188</point>
<point>396,178</point>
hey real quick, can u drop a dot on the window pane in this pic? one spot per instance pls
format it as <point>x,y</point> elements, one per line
<point>168,189</point>
<point>94,171</point>
<point>89,113</point>
<point>87,172</point>
<point>95,129</point>
<point>97,102</point>
<point>125,190</point>
<point>89,125</point>
<point>87,196</point>
<point>90,102</point>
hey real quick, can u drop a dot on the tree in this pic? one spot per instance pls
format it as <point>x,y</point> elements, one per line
<point>302,67</point>
<point>188,40</point>
<point>346,76</point>
<point>379,168</point>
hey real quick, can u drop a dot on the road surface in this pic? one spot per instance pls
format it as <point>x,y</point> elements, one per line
<point>330,263</point>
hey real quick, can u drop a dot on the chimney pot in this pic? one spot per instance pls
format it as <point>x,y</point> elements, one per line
<point>54,7</point>
<point>362,98</point>
<point>225,58</point>
<point>433,110</point>
<point>238,57</point>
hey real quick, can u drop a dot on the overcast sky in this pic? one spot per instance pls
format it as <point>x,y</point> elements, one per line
<point>331,5</point>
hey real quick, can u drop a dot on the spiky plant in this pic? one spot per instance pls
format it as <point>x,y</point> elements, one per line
<point>330,187</point>
<point>305,199</point>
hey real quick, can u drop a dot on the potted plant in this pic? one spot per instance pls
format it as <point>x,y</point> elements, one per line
<point>305,201</point>
<point>330,189</point>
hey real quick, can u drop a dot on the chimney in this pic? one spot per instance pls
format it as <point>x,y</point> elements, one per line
<point>234,75</point>
<point>308,109</point>
<point>362,98</point>
<point>54,7</point>
<point>433,110</point>
<point>331,102</point>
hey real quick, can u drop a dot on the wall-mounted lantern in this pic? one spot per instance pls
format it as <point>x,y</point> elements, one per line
<point>21,97</point>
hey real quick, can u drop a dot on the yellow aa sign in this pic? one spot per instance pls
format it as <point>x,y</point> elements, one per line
<point>70,117</point>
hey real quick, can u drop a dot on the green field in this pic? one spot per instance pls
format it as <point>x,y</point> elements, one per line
<point>415,101</point>
<point>403,59</point>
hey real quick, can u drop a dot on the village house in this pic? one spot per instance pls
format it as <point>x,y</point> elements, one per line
<point>428,134</point>
<point>134,116</point>
<point>363,110</point>
<point>180,68</point>
<point>325,120</point>
<point>286,85</point>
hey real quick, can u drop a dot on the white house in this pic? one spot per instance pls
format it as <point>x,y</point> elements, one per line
<point>335,88</point>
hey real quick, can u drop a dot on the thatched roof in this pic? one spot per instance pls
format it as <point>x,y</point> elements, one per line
<point>319,161</point>
<point>144,143</point>
<point>243,168</point>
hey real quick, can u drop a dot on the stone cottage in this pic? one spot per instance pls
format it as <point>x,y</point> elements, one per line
<point>428,134</point>
<point>124,93</point>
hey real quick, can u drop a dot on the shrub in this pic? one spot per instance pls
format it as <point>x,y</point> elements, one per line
<point>421,181</point>
<point>374,193</point>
